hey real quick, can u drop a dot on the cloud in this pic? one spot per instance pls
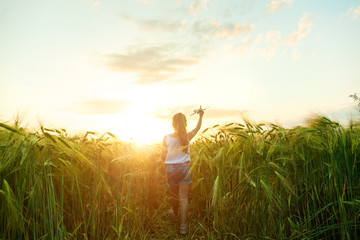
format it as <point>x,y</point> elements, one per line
<point>221,113</point>
<point>215,29</point>
<point>344,114</point>
<point>155,24</point>
<point>296,55</point>
<point>189,109</point>
<point>211,29</point>
<point>354,12</point>
<point>144,1</point>
<point>246,43</point>
<point>263,45</point>
<point>276,5</point>
<point>95,3</point>
<point>196,5</point>
<point>99,106</point>
<point>304,28</point>
<point>151,63</point>
<point>273,39</point>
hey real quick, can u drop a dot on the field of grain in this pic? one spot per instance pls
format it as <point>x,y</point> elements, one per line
<point>250,181</point>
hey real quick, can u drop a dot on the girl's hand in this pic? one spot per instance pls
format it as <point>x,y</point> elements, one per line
<point>201,112</point>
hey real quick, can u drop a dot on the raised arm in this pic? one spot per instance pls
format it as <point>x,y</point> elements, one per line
<point>198,125</point>
<point>164,149</point>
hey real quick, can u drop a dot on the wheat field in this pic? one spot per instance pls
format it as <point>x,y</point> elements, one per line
<point>250,181</point>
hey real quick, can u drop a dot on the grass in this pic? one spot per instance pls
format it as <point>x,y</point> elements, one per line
<point>250,181</point>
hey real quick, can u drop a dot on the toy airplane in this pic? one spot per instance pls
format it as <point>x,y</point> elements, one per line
<point>196,111</point>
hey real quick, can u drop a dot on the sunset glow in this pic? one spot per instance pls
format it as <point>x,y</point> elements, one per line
<point>127,66</point>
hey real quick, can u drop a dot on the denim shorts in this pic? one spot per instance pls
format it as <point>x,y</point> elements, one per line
<point>178,174</point>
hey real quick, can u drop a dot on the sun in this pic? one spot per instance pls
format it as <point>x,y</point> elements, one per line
<point>140,128</point>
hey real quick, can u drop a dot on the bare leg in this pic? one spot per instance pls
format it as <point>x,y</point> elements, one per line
<point>174,198</point>
<point>183,198</point>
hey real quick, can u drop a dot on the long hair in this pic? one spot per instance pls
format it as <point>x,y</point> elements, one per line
<point>179,124</point>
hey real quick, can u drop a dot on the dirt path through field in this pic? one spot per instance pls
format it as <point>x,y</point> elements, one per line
<point>168,228</point>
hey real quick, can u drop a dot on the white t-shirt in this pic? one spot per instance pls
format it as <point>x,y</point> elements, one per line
<point>175,152</point>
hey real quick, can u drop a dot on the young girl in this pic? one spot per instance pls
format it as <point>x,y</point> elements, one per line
<point>176,156</point>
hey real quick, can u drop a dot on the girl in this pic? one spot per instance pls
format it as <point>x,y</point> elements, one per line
<point>176,156</point>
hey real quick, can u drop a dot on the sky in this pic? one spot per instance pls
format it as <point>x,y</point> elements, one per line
<point>126,66</point>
